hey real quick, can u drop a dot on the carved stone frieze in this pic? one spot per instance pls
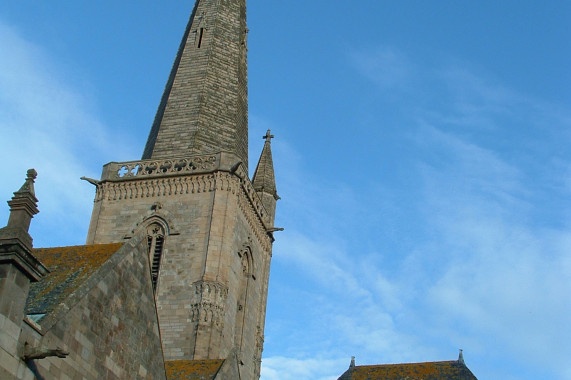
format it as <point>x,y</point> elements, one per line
<point>227,182</point>
<point>208,303</point>
<point>152,188</point>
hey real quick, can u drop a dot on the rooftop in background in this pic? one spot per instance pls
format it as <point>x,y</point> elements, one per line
<point>448,370</point>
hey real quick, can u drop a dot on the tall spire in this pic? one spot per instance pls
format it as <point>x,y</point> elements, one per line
<point>204,108</point>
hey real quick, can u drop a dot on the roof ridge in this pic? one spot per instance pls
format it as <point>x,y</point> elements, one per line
<point>408,363</point>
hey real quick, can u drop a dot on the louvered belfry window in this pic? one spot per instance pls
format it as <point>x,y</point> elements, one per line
<point>156,242</point>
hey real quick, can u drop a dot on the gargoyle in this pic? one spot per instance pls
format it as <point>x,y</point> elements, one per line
<point>91,181</point>
<point>31,353</point>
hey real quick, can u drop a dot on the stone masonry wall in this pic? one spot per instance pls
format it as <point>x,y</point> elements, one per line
<point>13,292</point>
<point>209,220</point>
<point>111,332</point>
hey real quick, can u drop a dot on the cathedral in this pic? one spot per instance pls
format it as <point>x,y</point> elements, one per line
<point>172,282</point>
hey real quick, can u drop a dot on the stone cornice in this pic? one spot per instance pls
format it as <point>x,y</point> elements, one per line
<point>155,187</point>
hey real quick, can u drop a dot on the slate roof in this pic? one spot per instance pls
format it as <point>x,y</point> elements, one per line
<point>69,268</point>
<point>193,369</point>
<point>448,370</point>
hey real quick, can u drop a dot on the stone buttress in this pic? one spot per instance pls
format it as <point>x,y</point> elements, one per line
<point>209,229</point>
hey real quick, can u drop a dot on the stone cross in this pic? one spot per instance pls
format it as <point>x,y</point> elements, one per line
<point>268,137</point>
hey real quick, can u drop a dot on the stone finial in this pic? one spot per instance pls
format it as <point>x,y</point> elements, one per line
<point>15,241</point>
<point>352,365</point>
<point>23,205</point>
<point>461,357</point>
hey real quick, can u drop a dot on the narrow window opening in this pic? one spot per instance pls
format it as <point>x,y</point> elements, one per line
<point>244,301</point>
<point>200,36</point>
<point>155,242</point>
<point>158,251</point>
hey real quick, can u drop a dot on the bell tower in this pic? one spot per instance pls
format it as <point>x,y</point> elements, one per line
<point>209,227</point>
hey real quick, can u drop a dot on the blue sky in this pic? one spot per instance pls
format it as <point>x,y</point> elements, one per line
<point>421,153</point>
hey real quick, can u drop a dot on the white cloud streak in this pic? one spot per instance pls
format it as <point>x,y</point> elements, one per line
<point>48,124</point>
<point>491,272</point>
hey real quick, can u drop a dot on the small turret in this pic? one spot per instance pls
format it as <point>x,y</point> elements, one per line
<point>264,180</point>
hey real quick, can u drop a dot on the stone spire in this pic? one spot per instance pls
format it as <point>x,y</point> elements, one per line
<point>264,180</point>
<point>204,108</point>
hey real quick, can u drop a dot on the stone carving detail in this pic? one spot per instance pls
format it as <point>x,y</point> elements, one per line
<point>114,191</point>
<point>227,182</point>
<point>208,303</point>
<point>33,353</point>
<point>255,223</point>
<point>258,350</point>
<point>156,168</point>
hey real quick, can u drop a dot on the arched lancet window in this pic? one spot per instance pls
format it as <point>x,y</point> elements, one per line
<point>244,286</point>
<point>156,242</point>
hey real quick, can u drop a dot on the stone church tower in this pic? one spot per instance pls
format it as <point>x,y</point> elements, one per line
<point>208,227</point>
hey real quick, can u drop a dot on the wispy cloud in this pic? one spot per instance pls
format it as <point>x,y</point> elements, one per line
<point>488,271</point>
<point>47,123</point>
<point>387,67</point>
<point>505,277</point>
